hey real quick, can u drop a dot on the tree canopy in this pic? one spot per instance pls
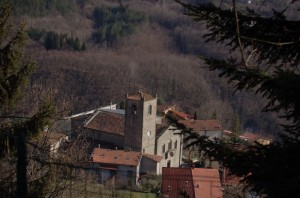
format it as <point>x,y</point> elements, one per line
<point>263,57</point>
<point>15,130</point>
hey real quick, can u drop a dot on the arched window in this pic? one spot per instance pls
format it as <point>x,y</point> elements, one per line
<point>133,109</point>
<point>175,144</point>
<point>163,148</point>
<point>149,109</point>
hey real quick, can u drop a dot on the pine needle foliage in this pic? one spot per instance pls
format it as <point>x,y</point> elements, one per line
<point>263,57</point>
<point>15,130</point>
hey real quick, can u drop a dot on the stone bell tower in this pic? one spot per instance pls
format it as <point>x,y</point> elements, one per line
<point>140,122</point>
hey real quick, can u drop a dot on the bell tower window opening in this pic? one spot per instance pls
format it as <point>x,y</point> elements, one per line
<point>133,109</point>
<point>149,109</point>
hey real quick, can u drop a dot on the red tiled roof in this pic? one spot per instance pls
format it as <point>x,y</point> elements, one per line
<point>207,183</point>
<point>117,157</point>
<point>176,180</point>
<point>202,125</point>
<point>250,136</point>
<point>141,96</point>
<point>155,158</point>
<point>120,157</point>
<point>182,115</point>
<point>107,122</point>
<point>196,182</point>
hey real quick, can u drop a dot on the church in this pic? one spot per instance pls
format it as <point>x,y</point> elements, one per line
<point>131,142</point>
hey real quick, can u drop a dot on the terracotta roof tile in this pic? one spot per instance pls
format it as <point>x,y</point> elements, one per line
<point>155,158</point>
<point>107,122</point>
<point>207,183</point>
<point>141,96</point>
<point>202,125</point>
<point>117,157</point>
<point>250,136</point>
<point>196,182</point>
<point>176,180</point>
<point>181,115</point>
<point>120,157</point>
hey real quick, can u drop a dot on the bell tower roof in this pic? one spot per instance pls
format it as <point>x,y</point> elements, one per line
<point>140,96</point>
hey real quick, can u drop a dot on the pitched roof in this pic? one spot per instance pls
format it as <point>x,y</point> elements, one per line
<point>207,183</point>
<point>176,180</point>
<point>155,158</point>
<point>181,115</point>
<point>120,157</point>
<point>116,157</point>
<point>196,182</point>
<point>250,136</point>
<point>202,125</point>
<point>141,96</point>
<point>107,122</point>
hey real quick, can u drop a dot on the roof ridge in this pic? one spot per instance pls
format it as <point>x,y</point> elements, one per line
<point>85,124</point>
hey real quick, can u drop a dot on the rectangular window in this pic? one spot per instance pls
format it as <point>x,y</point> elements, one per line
<point>170,145</point>
<point>163,149</point>
<point>166,155</point>
<point>175,144</point>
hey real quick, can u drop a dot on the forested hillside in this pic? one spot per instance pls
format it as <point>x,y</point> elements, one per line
<point>92,52</point>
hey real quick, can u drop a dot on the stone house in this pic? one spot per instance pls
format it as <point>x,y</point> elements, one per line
<point>123,166</point>
<point>106,127</point>
<point>210,128</point>
<point>169,146</point>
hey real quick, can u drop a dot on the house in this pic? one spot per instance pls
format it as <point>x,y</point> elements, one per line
<point>252,137</point>
<point>191,182</point>
<point>169,146</point>
<point>210,128</point>
<point>124,166</point>
<point>78,120</point>
<point>106,127</point>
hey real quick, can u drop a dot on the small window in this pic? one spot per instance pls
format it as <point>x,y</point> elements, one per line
<point>175,144</point>
<point>169,164</point>
<point>163,149</point>
<point>133,109</point>
<point>166,155</point>
<point>170,145</point>
<point>149,109</point>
